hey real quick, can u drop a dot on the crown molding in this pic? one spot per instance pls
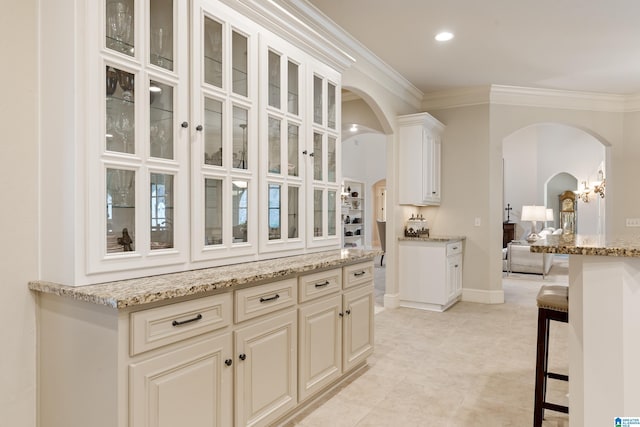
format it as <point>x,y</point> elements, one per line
<point>366,61</point>
<point>531,97</point>
<point>554,98</point>
<point>276,18</point>
<point>454,98</point>
<point>632,103</point>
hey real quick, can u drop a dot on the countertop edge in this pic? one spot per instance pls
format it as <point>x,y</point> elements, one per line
<point>434,239</point>
<point>588,245</point>
<point>133,292</point>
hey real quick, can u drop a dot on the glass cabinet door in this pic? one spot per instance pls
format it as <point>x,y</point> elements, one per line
<point>161,33</point>
<point>224,164</point>
<point>120,26</point>
<point>121,210</point>
<point>161,211</point>
<point>120,111</point>
<point>161,120</point>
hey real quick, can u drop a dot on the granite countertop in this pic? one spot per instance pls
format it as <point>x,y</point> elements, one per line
<point>132,292</point>
<point>444,239</point>
<point>627,246</point>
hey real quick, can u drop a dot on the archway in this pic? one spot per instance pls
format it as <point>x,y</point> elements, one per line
<point>539,157</point>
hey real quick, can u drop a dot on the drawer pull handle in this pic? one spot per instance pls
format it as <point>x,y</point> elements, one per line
<point>456,265</point>
<point>183,322</point>
<point>361,273</point>
<point>455,247</point>
<point>322,285</point>
<point>273,298</point>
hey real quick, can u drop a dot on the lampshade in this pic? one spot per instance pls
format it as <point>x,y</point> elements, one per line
<point>549,215</point>
<point>534,213</point>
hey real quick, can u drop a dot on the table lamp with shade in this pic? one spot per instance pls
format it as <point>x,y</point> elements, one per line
<point>533,214</point>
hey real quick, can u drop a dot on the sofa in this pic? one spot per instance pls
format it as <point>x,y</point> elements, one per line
<point>517,258</point>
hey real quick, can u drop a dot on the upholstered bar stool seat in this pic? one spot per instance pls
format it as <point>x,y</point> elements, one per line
<point>553,304</point>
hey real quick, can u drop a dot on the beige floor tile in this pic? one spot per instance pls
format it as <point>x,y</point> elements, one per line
<point>472,365</point>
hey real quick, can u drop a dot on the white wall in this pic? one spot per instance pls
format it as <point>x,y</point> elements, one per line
<point>364,159</point>
<point>535,154</point>
<point>18,215</point>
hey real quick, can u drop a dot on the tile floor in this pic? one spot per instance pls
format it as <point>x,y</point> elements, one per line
<point>472,365</point>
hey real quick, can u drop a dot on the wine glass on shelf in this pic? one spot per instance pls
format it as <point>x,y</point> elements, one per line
<point>112,81</point>
<point>127,83</point>
<point>119,23</point>
<point>159,45</point>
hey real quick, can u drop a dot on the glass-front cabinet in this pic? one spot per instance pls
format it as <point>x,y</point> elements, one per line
<point>139,179</point>
<point>224,159</point>
<point>282,158</point>
<point>322,176</point>
<point>189,136</point>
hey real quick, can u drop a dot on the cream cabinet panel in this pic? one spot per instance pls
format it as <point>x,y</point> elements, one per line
<point>320,338</point>
<point>430,274</point>
<point>420,150</point>
<point>266,369</point>
<point>358,325</point>
<point>320,284</point>
<point>189,386</point>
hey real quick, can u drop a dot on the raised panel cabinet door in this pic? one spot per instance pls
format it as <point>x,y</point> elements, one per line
<point>190,386</point>
<point>266,369</point>
<point>454,276</point>
<point>320,351</point>
<point>357,326</point>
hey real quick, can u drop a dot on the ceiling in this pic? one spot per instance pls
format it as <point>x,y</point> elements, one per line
<point>582,45</point>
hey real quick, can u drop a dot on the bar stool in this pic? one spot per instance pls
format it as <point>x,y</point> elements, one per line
<point>553,304</point>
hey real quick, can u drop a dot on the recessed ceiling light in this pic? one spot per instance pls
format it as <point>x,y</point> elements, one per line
<point>444,36</point>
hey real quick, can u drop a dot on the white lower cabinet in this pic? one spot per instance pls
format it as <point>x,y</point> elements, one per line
<point>190,386</point>
<point>320,357</point>
<point>187,363</point>
<point>357,325</point>
<point>266,367</point>
<point>336,333</point>
<point>430,273</point>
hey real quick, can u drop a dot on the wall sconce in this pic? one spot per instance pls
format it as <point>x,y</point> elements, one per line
<point>584,193</point>
<point>598,188</point>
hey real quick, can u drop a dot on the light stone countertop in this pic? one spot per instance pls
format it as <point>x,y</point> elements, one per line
<point>576,244</point>
<point>127,293</point>
<point>443,239</point>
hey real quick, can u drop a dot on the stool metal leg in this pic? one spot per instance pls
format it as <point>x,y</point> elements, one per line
<point>542,366</point>
<point>541,355</point>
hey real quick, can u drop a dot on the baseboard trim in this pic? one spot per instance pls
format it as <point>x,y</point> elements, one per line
<point>391,300</point>
<point>483,296</point>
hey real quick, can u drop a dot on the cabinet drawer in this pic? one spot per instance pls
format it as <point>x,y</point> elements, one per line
<point>263,299</point>
<point>454,248</point>
<point>164,325</point>
<point>319,284</point>
<point>357,274</point>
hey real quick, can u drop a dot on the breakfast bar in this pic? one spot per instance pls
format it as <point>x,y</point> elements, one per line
<point>604,326</point>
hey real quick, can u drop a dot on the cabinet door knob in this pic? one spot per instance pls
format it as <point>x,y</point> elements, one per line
<point>184,125</point>
<point>310,154</point>
<point>348,311</point>
<point>199,128</point>
<point>242,356</point>
<point>341,314</point>
<point>305,152</point>
<point>228,362</point>
<point>456,266</point>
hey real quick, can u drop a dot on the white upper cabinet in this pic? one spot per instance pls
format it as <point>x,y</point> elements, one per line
<point>224,162</point>
<point>179,135</point>
<point>420,139</point>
